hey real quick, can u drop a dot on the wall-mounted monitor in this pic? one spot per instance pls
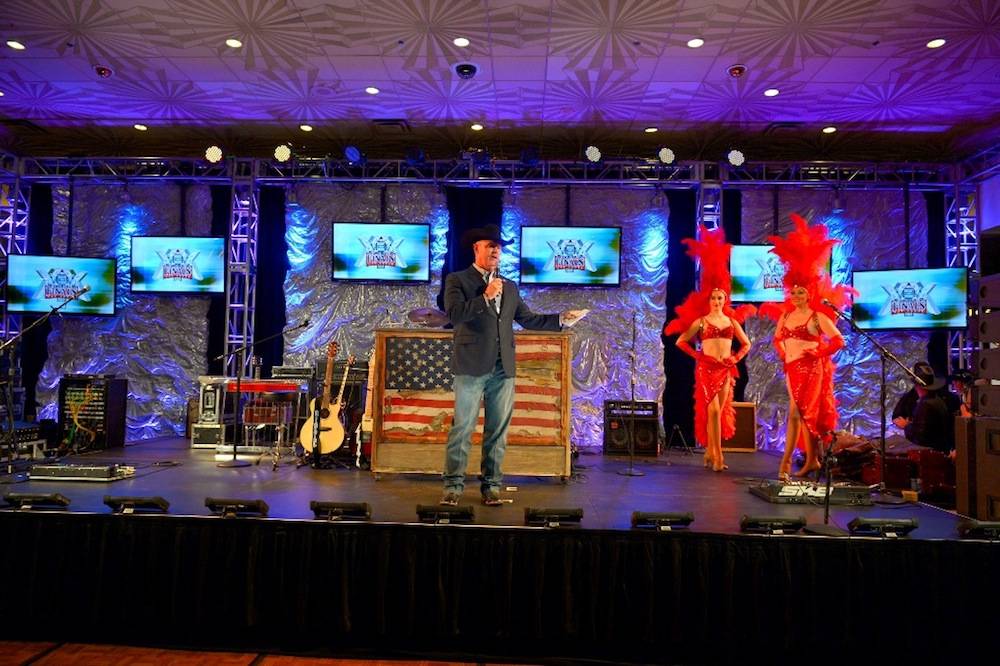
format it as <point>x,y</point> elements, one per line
<point>917,298</point>
<point>758,274</point>
<point>178,265</point>
<point>584,256</point>
<point>375,252</point>
<point>36,284</point>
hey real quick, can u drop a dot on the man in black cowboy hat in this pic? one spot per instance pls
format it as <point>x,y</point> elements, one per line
<point>929,422</point>
<point>483,307</point>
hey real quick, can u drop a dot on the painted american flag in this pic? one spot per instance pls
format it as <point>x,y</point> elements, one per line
<point>418,401</point>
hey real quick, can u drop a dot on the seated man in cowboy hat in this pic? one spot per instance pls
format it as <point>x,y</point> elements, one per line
<point>483,308</point>
<point>930,423</point>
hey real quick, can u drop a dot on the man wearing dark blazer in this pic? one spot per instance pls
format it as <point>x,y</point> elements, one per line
<point>483,307</point>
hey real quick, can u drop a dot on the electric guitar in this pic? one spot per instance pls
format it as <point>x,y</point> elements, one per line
<point>306,433</point>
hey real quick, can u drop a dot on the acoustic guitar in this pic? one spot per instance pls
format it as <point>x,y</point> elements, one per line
<point>329,424</point>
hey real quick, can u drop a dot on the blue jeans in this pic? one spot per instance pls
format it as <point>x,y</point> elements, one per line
<point>496,390</point>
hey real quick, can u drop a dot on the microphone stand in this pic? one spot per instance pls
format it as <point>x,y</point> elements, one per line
<point>238,416</point>
<point>631,471</point>
<point>8,347</point>
<point>883,354</point>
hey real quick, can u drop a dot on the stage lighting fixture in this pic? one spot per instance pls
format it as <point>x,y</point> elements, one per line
<point>40,501</point>
<point>665,155</point>
<point>123,504</point>
<point>232,508</point>
<point>354,155</point>
<point>593,153</point>
<point>444,515</point>
<point>415,156</point>
<point>529,156</point>
<point>736,157</point>
<point>882,527</point>
<point>971,528</point>
<point>771,524</point>
<point>213,154</point>
<point>341,511</point>
<point>552,517</point>
<point>663,522</point>
<point>282,152</point>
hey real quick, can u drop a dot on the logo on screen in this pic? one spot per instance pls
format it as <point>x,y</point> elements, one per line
<point>381,252</point>
<point>570,255</point>
<point>772,274</point>
<point>908,299</point>
<point>177,264</point>
<point>62,284</point>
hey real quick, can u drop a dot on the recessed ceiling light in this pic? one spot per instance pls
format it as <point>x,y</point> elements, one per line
<point>460,41</point>
<point>306,128</point>
<point>372,90</point>
<point>830,129</point>
<point>1,93</point>
<point>476,127</point>
<point>771,92</point>
<point>650,130</point>
<point>933,44</point>
<point>696,43</point>
<point>233,43</point>
<point>16,45</point>
<point>140,127</point>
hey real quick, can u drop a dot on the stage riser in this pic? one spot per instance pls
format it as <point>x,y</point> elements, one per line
<point>429,459</point>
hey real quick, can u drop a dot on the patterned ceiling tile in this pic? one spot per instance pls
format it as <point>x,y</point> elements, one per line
<point>781,32</point>
<point>589,96</point>
<point>427,98</point>
<point>274,34</point>
<point>297,95</point>
<point>38,100</point>
<point>610,33</point>
<point>519,29</point>
<point>156,97</point>
<point>971,28</point>
<point>739,101</point>
<point>910,96</point>
<point>87,29</point>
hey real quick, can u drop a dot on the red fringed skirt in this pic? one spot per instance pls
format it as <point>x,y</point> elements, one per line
<point>811,381</point>
<point>710,377</point>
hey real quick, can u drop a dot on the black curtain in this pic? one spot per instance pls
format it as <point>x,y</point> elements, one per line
<point>732,225</point>
<point>937,342</point>
<point>272,266</point>
<point>34,345</point>
<point>678,368</point>
<point>221,218</point>
<point>467,208</point>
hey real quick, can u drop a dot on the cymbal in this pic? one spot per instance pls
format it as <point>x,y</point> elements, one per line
<point>427,317</point>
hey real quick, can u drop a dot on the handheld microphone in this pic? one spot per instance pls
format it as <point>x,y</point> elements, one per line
<point>827,303</point>
<point>81,292</point>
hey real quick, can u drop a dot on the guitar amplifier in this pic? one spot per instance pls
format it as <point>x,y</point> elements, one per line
<point>623,417</point>
<point>92,411</point>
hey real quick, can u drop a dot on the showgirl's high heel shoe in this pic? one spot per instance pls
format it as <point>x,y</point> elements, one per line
<point>783,471</point>
<point>708,460</point>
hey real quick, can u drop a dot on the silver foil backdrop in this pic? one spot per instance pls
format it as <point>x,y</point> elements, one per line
<point>157,342</point>
<point>872,230</point>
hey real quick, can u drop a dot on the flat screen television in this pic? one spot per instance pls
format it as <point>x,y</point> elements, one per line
<point>376,252</point>
<point>580,256</point>
<point>757,274</point>
<point>916,298</point>
<point>36,284</point>
<point>178,265</point>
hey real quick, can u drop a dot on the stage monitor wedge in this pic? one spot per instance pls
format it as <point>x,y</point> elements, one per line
<point>234,508</point>
<point>381,252</point>
<point>37,284</point>
<point>571,256</point>
<point>178,264</point>
<point>913,299</point>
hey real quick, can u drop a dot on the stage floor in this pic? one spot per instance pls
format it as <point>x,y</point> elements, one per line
<point>677,482</point>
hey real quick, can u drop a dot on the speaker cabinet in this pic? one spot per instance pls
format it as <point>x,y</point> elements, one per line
<point>986,400</point>
<point>989,291</point>
<point>986,363</point>
<point>965,465</point>
<point>622,415</point>
<point>985,328</point>
<point>745,438</point>
<point>987,468</point>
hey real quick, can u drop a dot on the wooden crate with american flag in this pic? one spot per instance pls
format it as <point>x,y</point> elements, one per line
<point>413,403</point>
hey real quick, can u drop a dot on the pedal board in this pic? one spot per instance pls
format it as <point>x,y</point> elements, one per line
<point>777,492</point>
<point>99,473</point>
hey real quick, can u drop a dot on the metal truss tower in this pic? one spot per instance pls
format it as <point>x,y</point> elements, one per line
<point>13,236</point>
<point>241,273</point>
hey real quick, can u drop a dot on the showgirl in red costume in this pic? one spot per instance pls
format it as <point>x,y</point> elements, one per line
<point>806,338</point>
<point>706,313</point>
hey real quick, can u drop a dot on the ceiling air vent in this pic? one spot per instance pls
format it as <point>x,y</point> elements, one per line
<point>782,126</point>
<point>391,125</point>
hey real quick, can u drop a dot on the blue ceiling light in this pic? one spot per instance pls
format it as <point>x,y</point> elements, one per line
<point>354,155</point>
<point>415,156</point>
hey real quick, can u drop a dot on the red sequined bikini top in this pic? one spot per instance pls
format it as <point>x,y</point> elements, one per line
<point>800,332</point>
<point>709,331</point>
